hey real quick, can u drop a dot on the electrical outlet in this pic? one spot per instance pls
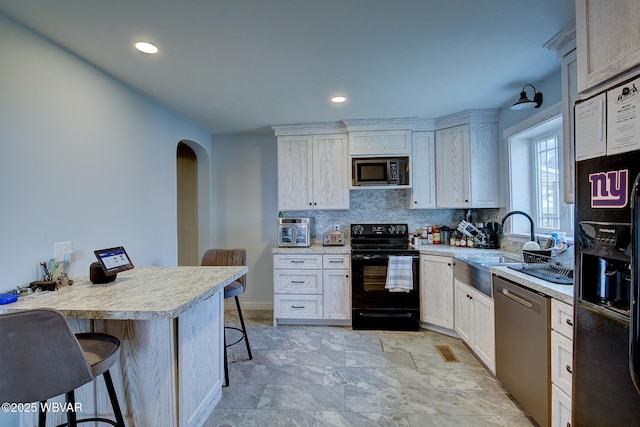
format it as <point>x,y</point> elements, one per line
<point>59,249</point>
<point>336,227</point>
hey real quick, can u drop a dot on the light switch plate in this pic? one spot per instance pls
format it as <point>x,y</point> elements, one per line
<point>59,250</point>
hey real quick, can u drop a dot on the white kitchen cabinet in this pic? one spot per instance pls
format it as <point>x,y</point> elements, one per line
<point>564,43</point>
<point>475,322</point>
<point>608,40</point>
<point>561,362</point>
<point>336,287</point>
<point>467,172</point>
<point>423,171</point>
<point>379,143</point>
<point>312,287</point>
<point>560,408</point>
<point>313,172</point>
<point>436,290</point>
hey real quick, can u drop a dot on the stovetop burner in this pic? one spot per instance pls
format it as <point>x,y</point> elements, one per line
<point>380,238</point>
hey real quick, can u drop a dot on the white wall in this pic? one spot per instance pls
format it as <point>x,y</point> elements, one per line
<point>83,159</point>
<point>244,173</point>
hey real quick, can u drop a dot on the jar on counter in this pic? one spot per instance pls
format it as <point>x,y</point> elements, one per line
<point>444,235</point>
<point>436,235</point>
<point>470,242</point>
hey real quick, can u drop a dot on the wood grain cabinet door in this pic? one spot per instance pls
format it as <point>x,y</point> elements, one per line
<point>330,172</point>
<point>452,167</point>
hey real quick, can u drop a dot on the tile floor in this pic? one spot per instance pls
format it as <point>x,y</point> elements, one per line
<point>333,376</point>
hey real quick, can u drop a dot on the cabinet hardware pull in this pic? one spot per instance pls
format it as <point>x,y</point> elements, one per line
<point>336,262</point>
<point>568,368</point>
<point>298,306</point>
<point>569,322</point>
<point>516,298</point>
<point>293,261</point>
<point>297,281</point>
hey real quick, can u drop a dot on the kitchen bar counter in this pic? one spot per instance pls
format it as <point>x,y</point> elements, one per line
<point>170,324</point>
<point>141,293</point>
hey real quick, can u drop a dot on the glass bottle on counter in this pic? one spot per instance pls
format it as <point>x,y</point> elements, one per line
<point>430,235</point>
<point>436,235</point>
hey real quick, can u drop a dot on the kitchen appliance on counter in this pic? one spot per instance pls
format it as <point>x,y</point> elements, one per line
<point>380,171</point>
<point>606,332</point>
<point>374,306</point>
<point>333,238</point>
<point>294,232</point>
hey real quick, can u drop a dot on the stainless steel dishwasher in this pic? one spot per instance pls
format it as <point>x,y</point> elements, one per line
<point>523,360</point>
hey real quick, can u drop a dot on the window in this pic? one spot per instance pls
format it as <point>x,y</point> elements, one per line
<point>536,179</point>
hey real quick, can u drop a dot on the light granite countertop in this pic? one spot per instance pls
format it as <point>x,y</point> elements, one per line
<point>562,293</point>
<point>137,294</point>
<point>314,249</point>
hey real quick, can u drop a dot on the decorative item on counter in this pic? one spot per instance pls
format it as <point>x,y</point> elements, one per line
<point>8,298</point>
<point>436,235</point>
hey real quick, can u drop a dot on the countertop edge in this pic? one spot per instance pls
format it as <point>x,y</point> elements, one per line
<point>562,293</point>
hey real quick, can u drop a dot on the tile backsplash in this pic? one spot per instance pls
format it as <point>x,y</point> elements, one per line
<point>387,206</point>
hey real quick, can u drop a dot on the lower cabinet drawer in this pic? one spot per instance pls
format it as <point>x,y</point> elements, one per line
<point>561,362</point>
<point>560,408</point>
<point>291,306</point>
<point>297,281</point>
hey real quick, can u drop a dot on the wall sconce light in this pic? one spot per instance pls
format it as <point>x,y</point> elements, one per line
<point>525,103</point>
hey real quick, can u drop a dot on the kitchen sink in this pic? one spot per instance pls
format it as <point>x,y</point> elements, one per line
<point>475,271</point>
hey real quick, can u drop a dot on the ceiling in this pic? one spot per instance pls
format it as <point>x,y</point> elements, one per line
<point>237,66</point>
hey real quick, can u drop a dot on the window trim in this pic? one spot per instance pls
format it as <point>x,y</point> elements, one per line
<point>536,119</point>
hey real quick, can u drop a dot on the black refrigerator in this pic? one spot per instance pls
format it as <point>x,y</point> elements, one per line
<point>605,349</point>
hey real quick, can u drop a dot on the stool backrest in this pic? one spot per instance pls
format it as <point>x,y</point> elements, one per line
<point>40,357</point>
<point>226,257</point>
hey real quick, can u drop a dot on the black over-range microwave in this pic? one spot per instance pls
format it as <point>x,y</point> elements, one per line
<point>380,171</point>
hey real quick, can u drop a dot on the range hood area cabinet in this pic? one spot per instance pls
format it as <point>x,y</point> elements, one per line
<point>467,170</point>
<point>380,143</point>
<point>313,172</point>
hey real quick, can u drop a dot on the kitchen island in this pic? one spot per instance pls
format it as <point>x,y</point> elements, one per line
<point>170,323</point>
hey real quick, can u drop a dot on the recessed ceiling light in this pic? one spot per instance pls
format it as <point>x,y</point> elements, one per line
<point>146,47</point>
<point>338,99</point>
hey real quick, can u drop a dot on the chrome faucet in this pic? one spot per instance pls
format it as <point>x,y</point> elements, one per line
<point>533,236</point>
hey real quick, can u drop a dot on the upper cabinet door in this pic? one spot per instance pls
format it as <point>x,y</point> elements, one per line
<point>608,40</point>
<point>484,170</point>
<point>423,171</point>
<point>452,171</point>
<point>330,172</point>
<point>295,161</point>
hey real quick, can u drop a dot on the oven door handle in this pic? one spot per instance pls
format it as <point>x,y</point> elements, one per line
<point>359,257</point>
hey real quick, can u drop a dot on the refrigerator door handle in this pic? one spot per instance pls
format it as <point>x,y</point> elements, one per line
<point>634,326</point>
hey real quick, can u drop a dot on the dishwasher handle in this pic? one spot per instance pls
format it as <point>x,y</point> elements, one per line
<point>516,298</point>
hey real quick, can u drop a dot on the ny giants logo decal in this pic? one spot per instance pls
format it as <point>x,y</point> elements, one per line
<point>609,189</point>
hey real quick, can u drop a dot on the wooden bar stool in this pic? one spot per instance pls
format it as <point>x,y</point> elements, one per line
<point>233,257</point>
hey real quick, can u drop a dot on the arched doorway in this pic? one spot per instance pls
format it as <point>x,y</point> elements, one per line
<point>187,189</point>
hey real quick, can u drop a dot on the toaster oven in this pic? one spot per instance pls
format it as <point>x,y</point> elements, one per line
<point>294,232</point>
